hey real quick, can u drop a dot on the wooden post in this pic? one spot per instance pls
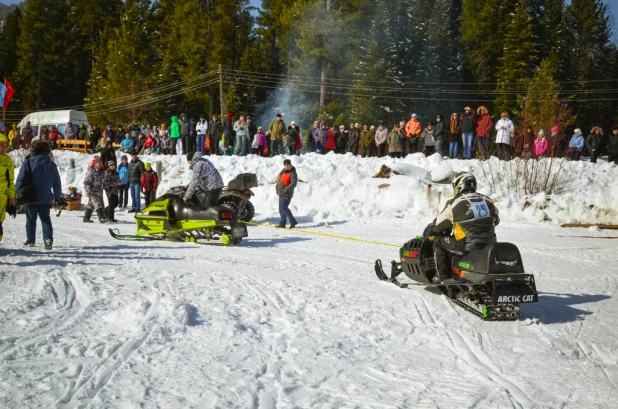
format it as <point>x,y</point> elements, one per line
<point>159,169</point>
<point>72,163</point>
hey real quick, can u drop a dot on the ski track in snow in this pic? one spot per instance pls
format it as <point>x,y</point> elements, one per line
<point>287,320</point>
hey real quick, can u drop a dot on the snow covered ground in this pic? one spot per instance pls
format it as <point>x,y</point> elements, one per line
<point>288,320</point>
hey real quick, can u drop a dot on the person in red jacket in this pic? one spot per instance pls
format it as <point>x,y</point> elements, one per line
<point>150,182</point>
<point>484,125</point>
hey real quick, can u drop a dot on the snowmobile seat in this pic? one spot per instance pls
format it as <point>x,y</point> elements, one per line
<point>243,181</point>
<point>494,258</point>
<point>185,211</point>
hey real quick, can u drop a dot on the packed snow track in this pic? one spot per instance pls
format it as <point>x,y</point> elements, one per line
<point>289,320</point>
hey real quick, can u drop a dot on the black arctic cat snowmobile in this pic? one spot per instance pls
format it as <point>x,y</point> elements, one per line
<point>489,282</point>
<point>170,218</point>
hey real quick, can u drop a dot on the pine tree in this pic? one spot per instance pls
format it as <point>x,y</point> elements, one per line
<point>484,23</point>
<point>516,61</point>
<point>125,68</point>
<point>589,37</point>
<point>8,44</point>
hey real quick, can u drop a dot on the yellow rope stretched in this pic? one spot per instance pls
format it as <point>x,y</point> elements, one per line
<point>326,235</point>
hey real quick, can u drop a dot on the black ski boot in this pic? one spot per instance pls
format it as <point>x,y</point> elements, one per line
<point>101,215</point>
<point>87,216</point>
<point>48,244</point>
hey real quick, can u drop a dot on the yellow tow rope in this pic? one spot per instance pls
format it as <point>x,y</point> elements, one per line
<point>332,236</point>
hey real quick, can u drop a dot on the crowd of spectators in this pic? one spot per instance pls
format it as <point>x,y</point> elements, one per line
<point>465,135</point>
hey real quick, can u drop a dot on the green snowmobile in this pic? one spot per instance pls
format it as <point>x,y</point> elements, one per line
<point>170,218</point>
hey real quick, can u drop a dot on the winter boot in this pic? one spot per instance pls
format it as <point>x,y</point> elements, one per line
<point>101,215</point>
<point>48,244</point>
<point>87,216</point>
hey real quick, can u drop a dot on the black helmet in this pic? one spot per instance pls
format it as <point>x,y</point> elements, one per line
<point>464,182</point>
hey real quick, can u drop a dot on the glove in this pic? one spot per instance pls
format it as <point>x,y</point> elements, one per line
<point>12,211</point>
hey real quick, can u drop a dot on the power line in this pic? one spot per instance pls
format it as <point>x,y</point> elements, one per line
<point>426,82</point>
<point>426,90</point>
<point>354,95</point>
<point>119,99</point>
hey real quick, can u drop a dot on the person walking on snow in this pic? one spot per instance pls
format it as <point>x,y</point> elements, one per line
<point>41,173</point>
<point>286,183</point>
<point>93,185</point>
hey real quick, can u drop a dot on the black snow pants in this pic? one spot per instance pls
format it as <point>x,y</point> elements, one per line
<point>443,250</point>
<point>208,198</point>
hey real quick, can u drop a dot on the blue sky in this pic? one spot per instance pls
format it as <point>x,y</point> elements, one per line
<point>613,6</point>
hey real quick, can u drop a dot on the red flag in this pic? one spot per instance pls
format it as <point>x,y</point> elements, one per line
<point>9,93</point>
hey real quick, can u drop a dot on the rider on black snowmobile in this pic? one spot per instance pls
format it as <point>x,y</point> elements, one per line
<point>206,182</point>
<point>467,221</point>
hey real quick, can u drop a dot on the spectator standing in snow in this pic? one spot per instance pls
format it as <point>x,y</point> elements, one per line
<point>453,136</point>
<point>365,142</point>
<point>505,128</point>
<point>354,138</point>
<point>439,134</point>
<point>93,186</point>
<point>413,132</point>
<point>290,140</point>
<point>82,132</point>
<point>240,127</point>
<point>467,125</point>
<point>108,154</point>
<point>260,142</point>
<point>44,178</point>
<point>251,131</point>
<point>540,145</point>
<point>612,145</point>
<point>576,145</point>
<point>136,169</point>
<point>312,138</point>
<point>395,142</point>
<point>381,139</point>
<point>428,138</point>
<point>341,140</point>
<point>277,129</point>
<point>286,183</point>
<point>123,175</point>
<point>7,175</point>
<point>593,143</point>
<point>185,134</point>
<point>174,135</point>
<point>322,136</point>
<point>149,182</point>
<point>484,124</point>
<point>69,132</point>
<point>215,129</point>
<point>526,154</point>
<point>111,185</point>
<point>201,128</point>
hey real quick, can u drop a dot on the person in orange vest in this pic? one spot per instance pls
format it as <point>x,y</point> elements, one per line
<point>286,182</point>
<point>413,131</point>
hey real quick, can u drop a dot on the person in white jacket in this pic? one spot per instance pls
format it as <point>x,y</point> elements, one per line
<point>201,129</point>
<point>505,128</point>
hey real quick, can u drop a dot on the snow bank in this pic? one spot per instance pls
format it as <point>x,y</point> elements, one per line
<point>341,187</point>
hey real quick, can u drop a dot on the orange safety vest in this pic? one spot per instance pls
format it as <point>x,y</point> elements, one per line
<point>286,178</point>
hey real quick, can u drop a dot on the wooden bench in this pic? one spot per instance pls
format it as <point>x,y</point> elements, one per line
<point>73,145</point>
<point>116,146</point>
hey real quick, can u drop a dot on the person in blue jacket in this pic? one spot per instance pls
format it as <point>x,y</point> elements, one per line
<point>576,145</point>
<point>45,179</point>
<point>127,144</point>
<point>123,190</point>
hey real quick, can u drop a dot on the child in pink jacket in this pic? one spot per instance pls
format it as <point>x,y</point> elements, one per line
<point>540,145</point>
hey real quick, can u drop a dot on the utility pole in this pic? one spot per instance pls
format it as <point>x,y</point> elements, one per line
<point>223,105</point>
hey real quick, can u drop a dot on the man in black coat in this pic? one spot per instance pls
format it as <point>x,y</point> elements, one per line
<point>136,169</point>
<point>215,129</point>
